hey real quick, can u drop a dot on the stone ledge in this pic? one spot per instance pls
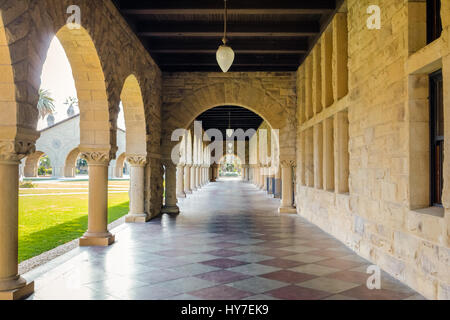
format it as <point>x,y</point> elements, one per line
<point>287,210</point>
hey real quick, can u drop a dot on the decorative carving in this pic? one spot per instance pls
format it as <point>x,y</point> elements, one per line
<point>96,157</point>
<point>288,163</point>
<point>137,160</point>
<point>16,150</point>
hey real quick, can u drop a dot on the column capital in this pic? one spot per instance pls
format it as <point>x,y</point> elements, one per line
<point>98,157</point>
<point>16,150</point>
<point>137,160</point>
<point>287,163</point>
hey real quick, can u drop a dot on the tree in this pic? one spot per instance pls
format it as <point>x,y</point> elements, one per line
<point>45,104</point>
<point>71,103</point>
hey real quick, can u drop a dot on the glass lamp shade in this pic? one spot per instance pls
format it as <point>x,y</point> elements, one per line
<point>225,57</point>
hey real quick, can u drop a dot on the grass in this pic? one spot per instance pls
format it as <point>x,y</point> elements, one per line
<point>46,222</point>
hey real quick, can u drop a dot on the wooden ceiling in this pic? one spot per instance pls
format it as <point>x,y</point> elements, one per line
<point>266,35</point>
<point>229,117</point>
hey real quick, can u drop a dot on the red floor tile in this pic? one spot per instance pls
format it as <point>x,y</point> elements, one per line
<point>281,263</point>
<point>276,253</point>
<point>221,293</point>
<point>288,276</point>
<point>298,293</point>
<point>224,263</point>
<point>350,276</point>
<point>223,276</point>
<point>339,263</point>
<point>224,253</point>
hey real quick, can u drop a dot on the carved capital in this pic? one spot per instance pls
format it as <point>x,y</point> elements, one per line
<point>288,163</point>
<point>96,157</point>
<point>137,160</point>
<point>16,150</point>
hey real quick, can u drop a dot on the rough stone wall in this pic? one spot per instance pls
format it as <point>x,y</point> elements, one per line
<point>272,95</point>
<point>375,218</point>
<point>26,29</point>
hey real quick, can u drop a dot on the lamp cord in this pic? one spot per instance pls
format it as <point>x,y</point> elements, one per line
<point>224,40</point>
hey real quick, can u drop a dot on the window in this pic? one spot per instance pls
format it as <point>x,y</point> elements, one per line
<point>437,138</point>
<point>434,23</point>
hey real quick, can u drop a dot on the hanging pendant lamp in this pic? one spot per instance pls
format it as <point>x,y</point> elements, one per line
<point>225,55</point>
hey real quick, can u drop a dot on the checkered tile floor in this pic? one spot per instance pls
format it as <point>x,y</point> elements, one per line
<point>229,242</point>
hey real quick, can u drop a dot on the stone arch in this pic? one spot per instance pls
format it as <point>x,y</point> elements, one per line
<point>31,164</point>
<point>17,114</point>
<point>120,163</point>
<point>133,107</point>
<point>71,163</point>
<point>235,93</point>
<point>91,88</point>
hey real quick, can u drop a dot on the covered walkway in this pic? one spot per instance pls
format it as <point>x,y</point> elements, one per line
<point>230,242</point>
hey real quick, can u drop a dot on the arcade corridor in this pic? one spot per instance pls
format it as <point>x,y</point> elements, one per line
<point>228,243</point>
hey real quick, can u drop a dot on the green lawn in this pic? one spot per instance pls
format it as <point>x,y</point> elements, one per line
<point>46,222</point>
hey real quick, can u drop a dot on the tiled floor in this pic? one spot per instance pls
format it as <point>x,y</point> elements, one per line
<point>229,242</point>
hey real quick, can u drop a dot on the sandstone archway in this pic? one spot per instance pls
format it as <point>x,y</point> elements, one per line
<point>236,93</point>
<point>71,163</point>
<point>91,89</point>
<point>31,164</point>
<point>120,163</point>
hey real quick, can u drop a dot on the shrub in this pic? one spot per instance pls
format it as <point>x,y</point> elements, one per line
<point>27,185</point>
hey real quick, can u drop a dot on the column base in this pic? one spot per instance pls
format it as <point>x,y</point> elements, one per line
<point>181,195</point>
<point>137,218</point>
<point>188,192</point>
<point>97,240</point>
<point>287,210</point>
<point>170,210</point>
<point>19,293</point>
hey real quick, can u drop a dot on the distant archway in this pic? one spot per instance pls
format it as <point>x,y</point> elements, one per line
<point>70,166</point>
<point>120,164</point>
<point>32,164</point>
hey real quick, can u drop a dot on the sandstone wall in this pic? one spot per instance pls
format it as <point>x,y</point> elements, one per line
<point>375,210</point>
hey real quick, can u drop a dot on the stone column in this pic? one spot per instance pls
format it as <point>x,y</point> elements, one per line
<point>171,189</point>
<point>197,177</point>
<point>12,285</point>
<point>97,233</point>
<point>192,176</point>
<point>264,176</point>
<point>180,182</point>
<point>286,188</point>
<point>137,170</point>
<point>187,179</point>
<point>261,178</point>
<point>277,191</point>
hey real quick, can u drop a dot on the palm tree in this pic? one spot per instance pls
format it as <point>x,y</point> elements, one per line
<point>71,102</point>
<point>45,104</point>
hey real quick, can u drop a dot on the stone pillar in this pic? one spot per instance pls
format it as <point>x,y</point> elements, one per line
<point>187,179</point>
<point>214,172</point>
<point>277,191</point>
<point>261,178</point>
<point>137,171</point>
<point>197,177</point>
<point>97,233</point>
<point>69,171</point>
<point>180,182</point>
<point>265,176</point>
<point>171,189</point>
<point>12,285</point>
<point>286,188</point>
<point>192,176</point>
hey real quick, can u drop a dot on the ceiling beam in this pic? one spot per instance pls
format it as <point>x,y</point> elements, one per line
<point>234,30</point>
<point>208,7</point>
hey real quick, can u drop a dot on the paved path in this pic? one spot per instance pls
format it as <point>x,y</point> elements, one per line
<point>229,242</point>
